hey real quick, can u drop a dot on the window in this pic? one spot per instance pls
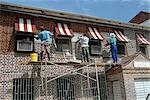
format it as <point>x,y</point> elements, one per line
<point>65,89</point>
<point>121,48</point>
<point>102,88</point>
<point>143,49</point>
<point>95,47</point>
<point>93,89</point>
<point>116,90</point>
<point>24,42</point>
<point>142,88</point>
<point>63,44</point>
<point>23,89</point>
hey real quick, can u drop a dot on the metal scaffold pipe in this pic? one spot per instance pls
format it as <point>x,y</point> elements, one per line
<point>97,80</point>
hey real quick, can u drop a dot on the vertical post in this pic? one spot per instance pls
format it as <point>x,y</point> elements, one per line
<point>46,77</point>
<point>41,74</point>
<point>39,93</point>
<point>15,89</point>
<point>31,88</point>
<point>82,87</point>
<point>18,89</point>
<point>97,80</point>
<point>106,84</point>
<point>88,80</point>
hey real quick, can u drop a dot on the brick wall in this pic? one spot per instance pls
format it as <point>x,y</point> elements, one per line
<point>6,32</point>
<point>129,77</point>
<point>10,61</point>
<point>131,46</point>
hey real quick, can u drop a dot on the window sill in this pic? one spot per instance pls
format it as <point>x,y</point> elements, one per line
<point>62,53</point>
<point>94,55</point>
<point>121,55</point>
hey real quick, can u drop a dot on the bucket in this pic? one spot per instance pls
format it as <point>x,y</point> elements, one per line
<point>34,57</point>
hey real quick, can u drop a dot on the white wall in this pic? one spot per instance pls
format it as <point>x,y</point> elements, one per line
<point>146,23</point>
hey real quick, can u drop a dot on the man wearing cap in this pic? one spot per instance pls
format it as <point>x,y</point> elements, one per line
<point>46,40</point>
<point>113,46</point>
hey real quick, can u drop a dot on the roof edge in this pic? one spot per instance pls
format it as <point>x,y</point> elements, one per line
<point>135,56</point>
<point>33,10</point>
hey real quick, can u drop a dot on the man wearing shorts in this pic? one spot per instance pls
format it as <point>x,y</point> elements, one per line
<point>46,40</point>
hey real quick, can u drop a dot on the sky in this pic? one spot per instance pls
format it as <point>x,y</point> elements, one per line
<point>117,10</point>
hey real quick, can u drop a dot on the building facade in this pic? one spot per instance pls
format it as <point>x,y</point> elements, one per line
<point>24,80</point>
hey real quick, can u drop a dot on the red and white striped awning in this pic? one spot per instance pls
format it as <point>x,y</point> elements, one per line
<point>25,25</point>
<point>120,36</point>
<point>142,39</point>
<point>94,33</point>
<point>63,29</point>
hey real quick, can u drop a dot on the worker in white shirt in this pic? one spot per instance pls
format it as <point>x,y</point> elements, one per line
<point>84,40</point>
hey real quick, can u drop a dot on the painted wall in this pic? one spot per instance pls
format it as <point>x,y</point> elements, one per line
<point>146,23</point>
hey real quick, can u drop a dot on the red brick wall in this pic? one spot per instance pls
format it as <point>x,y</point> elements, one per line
<point>6,32</point>
<point>7,29</point>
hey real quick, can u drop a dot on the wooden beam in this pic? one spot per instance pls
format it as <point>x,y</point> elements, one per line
<point>72,63</point>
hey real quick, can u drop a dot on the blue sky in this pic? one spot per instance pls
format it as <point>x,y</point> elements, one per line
<point>119,10</point>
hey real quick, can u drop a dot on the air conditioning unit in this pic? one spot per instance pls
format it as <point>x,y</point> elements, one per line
<point>23,45</point>
<point>95,49</point>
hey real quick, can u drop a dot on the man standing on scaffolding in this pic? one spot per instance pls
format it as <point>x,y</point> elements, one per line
<point>46,41</point>
<point>113,47</point>
<point>84,40</point>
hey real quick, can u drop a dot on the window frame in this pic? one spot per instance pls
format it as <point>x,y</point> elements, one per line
<point>145,47</point>
<point>99,45</point>
<point>26,88</point>
<point>142,82</point>
<point>21,37</point>
<point>63,82</point>
<point>122,44</point>
<point>118,90</point>
<point>69,43</point>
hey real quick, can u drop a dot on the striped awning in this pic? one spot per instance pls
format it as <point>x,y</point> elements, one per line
<point>142,39</point>
<point>94,33</point>
<point>63,29</point>
<point>120,36</point>
<point>25,25</point>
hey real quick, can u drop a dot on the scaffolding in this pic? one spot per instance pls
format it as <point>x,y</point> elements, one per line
<point>89,81</point>
<point>89,87</point>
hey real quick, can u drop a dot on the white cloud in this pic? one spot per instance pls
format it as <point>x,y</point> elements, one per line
<point>126,0</point>
<point>143,2</point>
<point>140,1</point>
